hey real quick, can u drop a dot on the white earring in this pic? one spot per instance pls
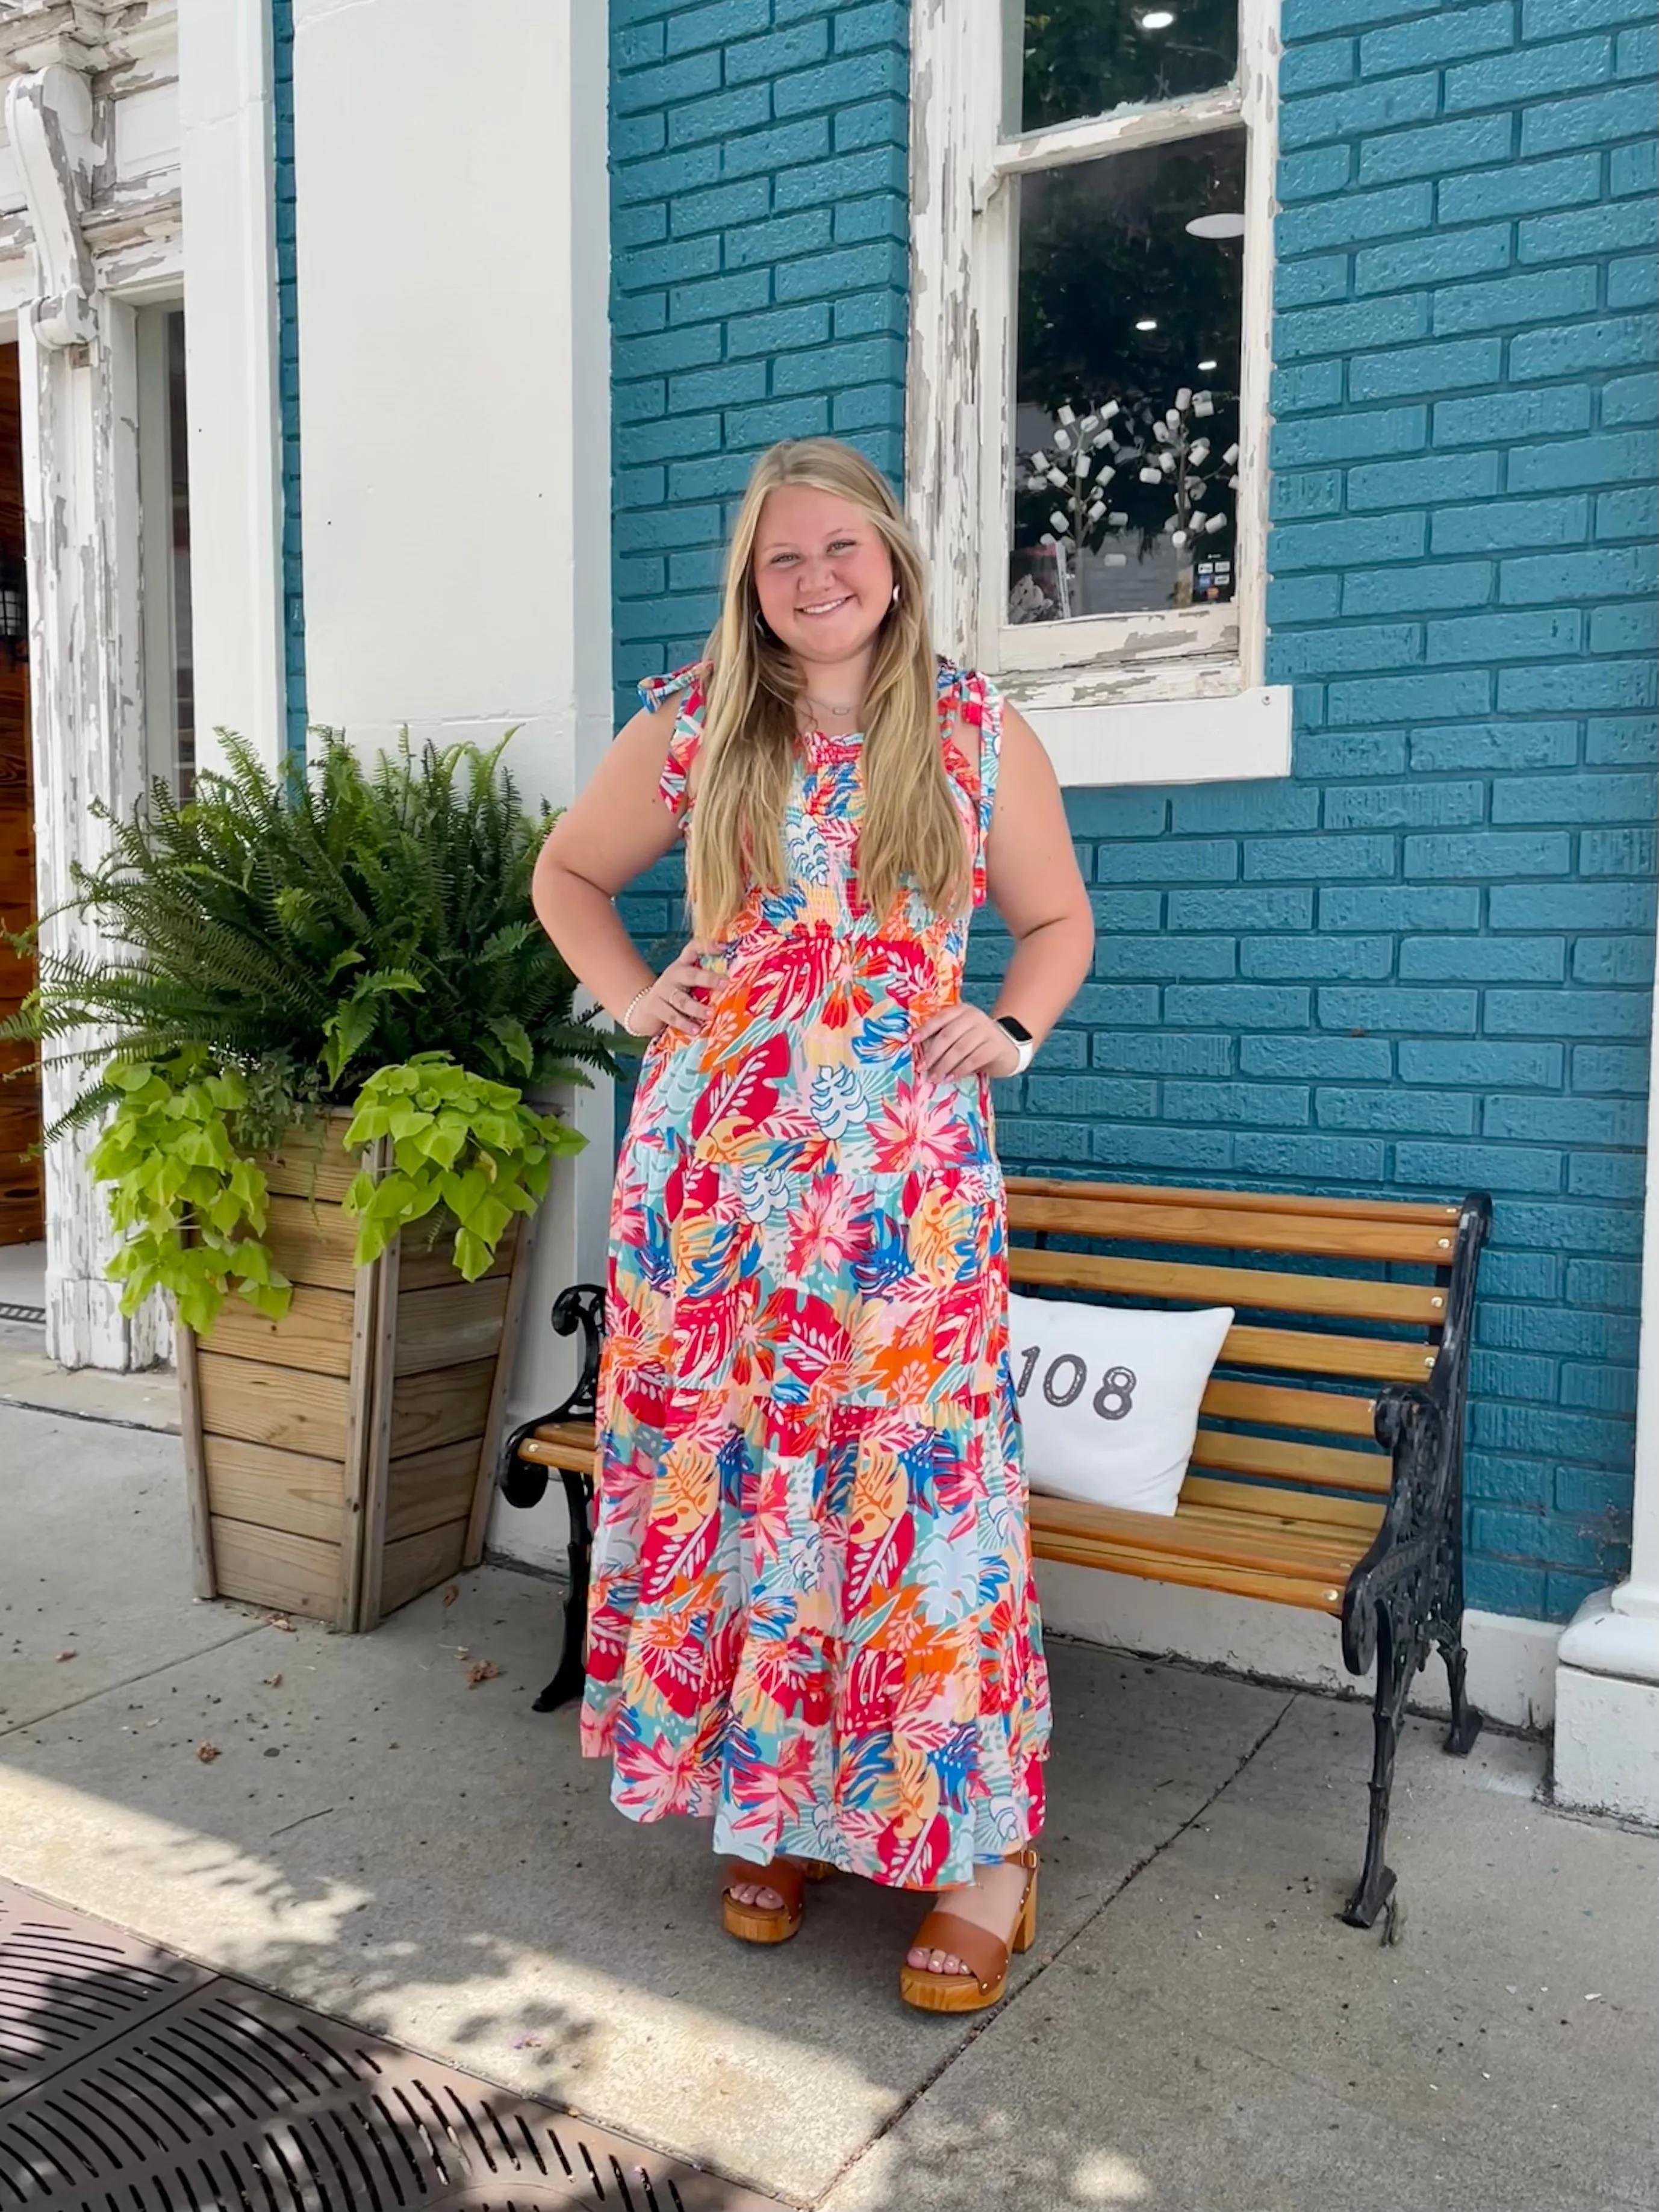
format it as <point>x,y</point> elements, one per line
<point>895,595</point>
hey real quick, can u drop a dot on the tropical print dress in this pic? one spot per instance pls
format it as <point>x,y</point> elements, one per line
<point>811,1611</point>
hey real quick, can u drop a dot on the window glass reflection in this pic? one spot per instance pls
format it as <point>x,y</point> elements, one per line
<point>1065,59</point>
<point>1126,419</point>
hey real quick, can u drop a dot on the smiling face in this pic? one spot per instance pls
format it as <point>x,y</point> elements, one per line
<point>823,574</point>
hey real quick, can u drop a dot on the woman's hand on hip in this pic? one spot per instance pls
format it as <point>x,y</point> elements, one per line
<point>963,1041</point>
<point>678,998</point>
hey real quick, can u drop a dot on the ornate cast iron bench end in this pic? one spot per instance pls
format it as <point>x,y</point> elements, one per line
<point>522,1480</point>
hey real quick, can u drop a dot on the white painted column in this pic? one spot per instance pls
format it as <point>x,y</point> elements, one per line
<point>454,373</point>
<point>455,437</point>
<point>1607,1680</point>
<point>78,387</point>
<point>231,373</point>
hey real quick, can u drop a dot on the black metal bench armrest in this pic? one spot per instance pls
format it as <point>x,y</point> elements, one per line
<point>1397,1572</point>
<point>1449,1379</point>
<point>581,1305</point>
<point>1417,1550</point>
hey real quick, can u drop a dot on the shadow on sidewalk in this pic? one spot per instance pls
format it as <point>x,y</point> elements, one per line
<point>377,1837</point>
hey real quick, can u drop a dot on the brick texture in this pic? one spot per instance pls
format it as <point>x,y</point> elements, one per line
<point>1420,965</point>
<point>295,708</point>
<point>760,216</point>
<point>759,181</point>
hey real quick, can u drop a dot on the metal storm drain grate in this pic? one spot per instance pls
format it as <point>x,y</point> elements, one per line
<point>36,1315</point>
<point>133,2081</point>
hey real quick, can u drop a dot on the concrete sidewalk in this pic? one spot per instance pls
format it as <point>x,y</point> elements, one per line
<point>1194,2028</point>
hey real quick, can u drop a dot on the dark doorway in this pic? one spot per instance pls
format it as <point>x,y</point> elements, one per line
<point>22,1204</point>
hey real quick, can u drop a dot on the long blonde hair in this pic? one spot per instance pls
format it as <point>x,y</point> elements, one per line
<point>910,825</point>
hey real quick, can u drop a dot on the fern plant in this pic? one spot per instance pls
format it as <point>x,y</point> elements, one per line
<point>323,926</point>
<point>293,932</point>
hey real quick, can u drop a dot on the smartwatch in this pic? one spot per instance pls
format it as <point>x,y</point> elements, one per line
<point>1022,1039</point>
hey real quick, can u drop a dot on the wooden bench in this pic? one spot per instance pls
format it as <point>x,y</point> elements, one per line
<point>1327,1472</point>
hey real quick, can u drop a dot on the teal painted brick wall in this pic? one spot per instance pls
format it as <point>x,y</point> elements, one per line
<point>1422,964</point>
<point>759,230</point>
<point>287,344</point>
<point>760,221</point>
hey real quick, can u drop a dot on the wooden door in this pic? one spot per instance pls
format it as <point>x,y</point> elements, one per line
<point>22,1213</point>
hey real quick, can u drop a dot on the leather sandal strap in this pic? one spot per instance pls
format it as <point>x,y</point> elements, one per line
<point>987,1955</point>
<point>786,1877</point>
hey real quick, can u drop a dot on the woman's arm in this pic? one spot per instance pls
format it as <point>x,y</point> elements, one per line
<point>1034,882</point>
<point>617,828</point>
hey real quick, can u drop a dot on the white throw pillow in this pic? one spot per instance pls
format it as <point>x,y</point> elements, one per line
<point>1108,1397</point>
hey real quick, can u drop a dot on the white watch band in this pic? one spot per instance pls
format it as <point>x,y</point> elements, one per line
<point>1024,1049</point>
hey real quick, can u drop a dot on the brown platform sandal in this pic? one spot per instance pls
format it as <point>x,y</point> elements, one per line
<point>986,1954</point>
<point>760,1924</point>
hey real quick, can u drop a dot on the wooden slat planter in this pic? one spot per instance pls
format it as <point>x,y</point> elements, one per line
<point>340,1460</point>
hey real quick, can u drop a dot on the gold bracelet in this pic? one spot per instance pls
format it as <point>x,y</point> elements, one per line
<point>644,991</point>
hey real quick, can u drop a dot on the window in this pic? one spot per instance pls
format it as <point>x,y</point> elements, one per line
<point>1090,316</point>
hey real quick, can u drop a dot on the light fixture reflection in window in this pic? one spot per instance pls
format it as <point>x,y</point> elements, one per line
<point>1216,226</point>
<point>1148,322</point>
<point>1205,365</point>
<point>1157,19</point>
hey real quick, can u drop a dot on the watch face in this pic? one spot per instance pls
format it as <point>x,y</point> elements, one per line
<point>1016,1029</point>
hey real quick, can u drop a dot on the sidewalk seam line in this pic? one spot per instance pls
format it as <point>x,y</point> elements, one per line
<point>127,1681</point>
<point>8,1402</point>
<point>987,2019</point>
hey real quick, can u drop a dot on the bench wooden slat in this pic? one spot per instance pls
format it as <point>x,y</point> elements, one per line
<point>1250,1288</point>
<point>1322,1466</point>
<point>1246,1202</point>
<point>1314,1597</point>
<point>1367,1359</point>
<point>570,1445</point>
<point>1274,1407</point>
<point>1281,1549</point>
<point>1134,1555</point>
<point>1229,1227</point>
<point>1304,1351</point>
<point>1316,1509</point>
<point>1242,1538</point>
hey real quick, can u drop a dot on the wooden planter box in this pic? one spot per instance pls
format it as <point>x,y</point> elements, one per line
<point>341,1460</point>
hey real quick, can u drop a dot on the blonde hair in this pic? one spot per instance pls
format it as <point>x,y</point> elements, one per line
<point>910,825</point>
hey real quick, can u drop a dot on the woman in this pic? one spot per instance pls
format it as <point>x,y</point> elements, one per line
<point>811,1612</point>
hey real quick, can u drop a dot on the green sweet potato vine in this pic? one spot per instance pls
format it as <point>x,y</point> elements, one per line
<point>189,1204</point>
<point>457,1141</point>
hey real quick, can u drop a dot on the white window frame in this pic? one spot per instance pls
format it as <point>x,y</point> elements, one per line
<point>1175,695</point>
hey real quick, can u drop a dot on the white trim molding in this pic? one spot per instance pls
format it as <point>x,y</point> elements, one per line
<point>78,394</point>
<point>81,507</point>
<point>1607,1683</point>
<point>1511,1660</point>
<point>89,128</point>
<point>1086,684</point>
<point>225,161</point>
<point>1241,735</point>
<point>49,123</point>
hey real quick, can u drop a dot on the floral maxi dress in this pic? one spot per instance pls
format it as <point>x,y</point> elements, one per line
<point>813,1614</point>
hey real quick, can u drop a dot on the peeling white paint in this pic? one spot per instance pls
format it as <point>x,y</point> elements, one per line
<point>959,410</point>
<point>84,235</point>
<point>49,123</point>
